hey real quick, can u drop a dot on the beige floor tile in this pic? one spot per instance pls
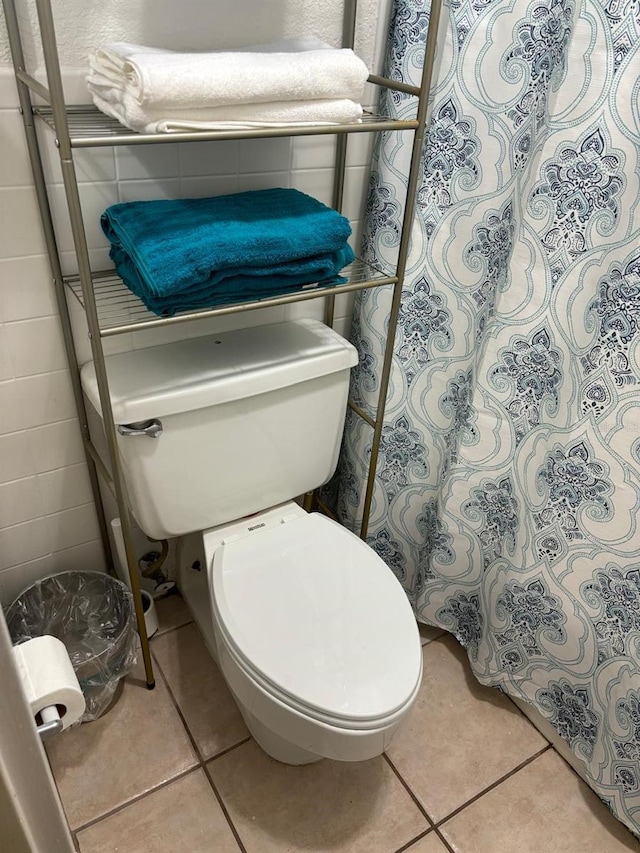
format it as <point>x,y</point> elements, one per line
<point>544,807</point>
<point>429,632</point>
<point>183,816</point>
<point>200,690</point>
<point>329,806</point>
<point>429,844</point>
<point>172,613</point>
<point>460,737</point>
<point>137,745</point>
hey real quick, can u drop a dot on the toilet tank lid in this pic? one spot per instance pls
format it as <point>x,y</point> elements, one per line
<point>185,375</point>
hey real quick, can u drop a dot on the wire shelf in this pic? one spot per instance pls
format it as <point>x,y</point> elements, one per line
<point>119,310</point>
<point>90,128</point>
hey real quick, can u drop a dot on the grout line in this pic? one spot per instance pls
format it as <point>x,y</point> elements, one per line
<point>58,468</point>
<point>199,765</point>
<point>179,712</point>
<point>36,517</point>
<point>137,799</point>
<point>413,841</point>
<point>171,630</point>
<point>30,320</point>
<point>68,509</point>
<point>493,785</point>
<point>408,790</point>
<point>201,758</point>
<point>227,750</point>
<point>224,810</point>
<point>202,763</point>
<point>18,187</point>
<point>38,426</point>
<point>444,841</point>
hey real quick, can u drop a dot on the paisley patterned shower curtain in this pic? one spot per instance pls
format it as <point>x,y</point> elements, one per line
<point>507,497</point>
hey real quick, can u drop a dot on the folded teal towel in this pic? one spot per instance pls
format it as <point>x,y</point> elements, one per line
<point>184,254</point>
<point>320,271</point>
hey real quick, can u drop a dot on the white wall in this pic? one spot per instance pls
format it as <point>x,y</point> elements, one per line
<point>47,517</point>
<point>83,24</point>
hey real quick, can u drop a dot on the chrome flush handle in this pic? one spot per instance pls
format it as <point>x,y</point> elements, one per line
<point>152,428</point>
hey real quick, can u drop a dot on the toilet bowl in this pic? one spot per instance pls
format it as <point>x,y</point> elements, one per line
<point>313,634</point>
<point>216,435</point>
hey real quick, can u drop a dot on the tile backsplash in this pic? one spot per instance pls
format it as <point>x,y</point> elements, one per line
<point>47,517</point>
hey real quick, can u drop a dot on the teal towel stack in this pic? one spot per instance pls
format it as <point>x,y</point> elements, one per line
<point>185,254</point>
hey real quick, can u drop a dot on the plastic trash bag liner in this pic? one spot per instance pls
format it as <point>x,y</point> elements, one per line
<point>93,614</point>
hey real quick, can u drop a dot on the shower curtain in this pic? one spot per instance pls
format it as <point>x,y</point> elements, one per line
<point>507,494</point>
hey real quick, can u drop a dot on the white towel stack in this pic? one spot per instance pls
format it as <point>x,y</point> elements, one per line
<point>296,81</point>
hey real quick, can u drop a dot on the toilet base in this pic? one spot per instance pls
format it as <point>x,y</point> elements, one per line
<point>277,747</point>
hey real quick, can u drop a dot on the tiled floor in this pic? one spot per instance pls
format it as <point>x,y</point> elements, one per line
<point>174,771</point>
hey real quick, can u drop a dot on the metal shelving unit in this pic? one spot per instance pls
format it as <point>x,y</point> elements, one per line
<point>111,309</point>
<point>89,128</point>
<point>120,311</point>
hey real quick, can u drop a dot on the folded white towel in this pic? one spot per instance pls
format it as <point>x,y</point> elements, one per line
<point>296,70</point>
<point>126,110</point>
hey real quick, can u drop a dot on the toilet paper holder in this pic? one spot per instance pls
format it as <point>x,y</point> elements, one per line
<point>51,722</point>
<point>50,684</point>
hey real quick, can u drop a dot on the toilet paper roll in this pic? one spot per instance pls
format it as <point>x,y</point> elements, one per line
<point>48,678</point>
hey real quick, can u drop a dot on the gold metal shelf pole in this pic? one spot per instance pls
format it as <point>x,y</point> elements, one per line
<point>54,79</point>
<point>339,169</point>
<point>412,186</point>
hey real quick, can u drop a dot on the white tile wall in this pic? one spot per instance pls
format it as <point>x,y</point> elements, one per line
<point>26,291</point>
<point>315,182</point>
<point>313,152</point>
<point>19,501</point>
<point>15,459</point>
<point>92,164</point>
<point>47,518</point>
<point>264,155</point>
<point>198,158</point>
<point>150,161</point>
<point>206,185</point>
<point>15,170</point>
<point>55,445</point>
<point>355,187</point>
<point>64,488</point>
<point>15,579</point>
<point>19,223</point>
<point>98,258</point>
<point>33,400</point>
<point>146,190</point>
<point>20,543</point>
<point>33,346</point>
<point>88,556</point>
<point>263,180</point>
<point>95,197</point>
<point>73,526</point>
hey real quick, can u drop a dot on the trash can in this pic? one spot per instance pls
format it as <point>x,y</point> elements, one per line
<point>93,614</point>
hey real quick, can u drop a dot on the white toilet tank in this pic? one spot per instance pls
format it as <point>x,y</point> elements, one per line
<point>242,420</point>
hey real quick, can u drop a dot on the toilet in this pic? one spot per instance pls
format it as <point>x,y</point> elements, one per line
<point>312,631</point>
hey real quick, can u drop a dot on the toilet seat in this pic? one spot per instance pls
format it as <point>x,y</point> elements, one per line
<point>335,723</point>
<point>311,614</point>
